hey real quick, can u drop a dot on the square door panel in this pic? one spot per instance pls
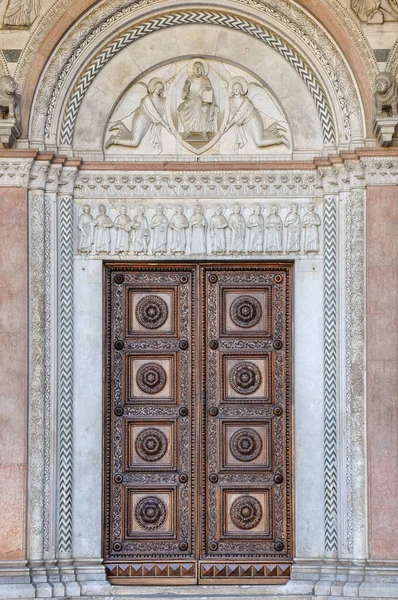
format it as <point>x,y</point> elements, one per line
<point>150,513</point>
<point>246,445</point>
<point>246,513</point>
<point>246,377</point>
<point>150,445</point>
<point>246,312</point>
<point>151,379</point>
<point>152,312</point>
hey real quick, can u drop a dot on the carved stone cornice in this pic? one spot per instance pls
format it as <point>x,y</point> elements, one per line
<point>188,184</point>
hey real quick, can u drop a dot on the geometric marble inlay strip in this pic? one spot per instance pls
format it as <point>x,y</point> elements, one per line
<point>65,372</point>
<point>330,372</point>
<point>206,17</point>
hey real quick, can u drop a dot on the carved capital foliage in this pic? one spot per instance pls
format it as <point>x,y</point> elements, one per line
<point>14,172</point>
<point>38,175</point>
<point>66,180</point>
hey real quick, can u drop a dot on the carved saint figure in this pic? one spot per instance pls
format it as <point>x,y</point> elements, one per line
<point>140,232</point>
<point>178,225</point>
<point>245,115</point>
<point>198,229</point>
<point>311,224</point>
<point>237,225</point>
<point>123,227</point>
<point>21,13</point>
<point>160,225</point>
<point>273,229</point>
<point>255,224</point>
<point>85,231</point>
<point>293,229</point>
<point>218,224</point>
<point>148,117</point>
<point>103,223</point>
<point>197,114</point>
<point>386,95</point>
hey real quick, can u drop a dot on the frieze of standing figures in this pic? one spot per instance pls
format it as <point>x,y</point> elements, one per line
<point>198,229</point>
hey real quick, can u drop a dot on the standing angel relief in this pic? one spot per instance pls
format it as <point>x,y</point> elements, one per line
<point>218,225</point>
<point>273,228</point>
<point>255,224</point>
<point>147,118</point>
<point>160,225</point>
<point>311,224</point>
<point>140,232</point>
<point>178,224</point>
<point>123,227</point>
<point>245,116</point>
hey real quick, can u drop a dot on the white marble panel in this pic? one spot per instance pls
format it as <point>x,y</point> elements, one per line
<point>308,412</point>
<point>87,417</point>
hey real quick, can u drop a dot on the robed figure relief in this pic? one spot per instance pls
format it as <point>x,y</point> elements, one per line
<point>123,227</point>
<point>197,113</point>
<point>103,225</point>
<point>293,229</point>
<point>160,225</point>
<point>246,116</point>
<point>147,118</point>
<point>237,225</point>
<point>218,225</point>
<point>255,225</point>
<point>273,230</point>
<point>20,13</point>
<point>311,224</point>
<point>198,229</point>
<point>178,224</point>
<point>140,232</point>
<point>85,231</point>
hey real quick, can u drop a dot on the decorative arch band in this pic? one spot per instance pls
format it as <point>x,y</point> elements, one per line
<point>203,18</point>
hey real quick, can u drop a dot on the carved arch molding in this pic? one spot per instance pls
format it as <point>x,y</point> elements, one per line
<point>283,27</point>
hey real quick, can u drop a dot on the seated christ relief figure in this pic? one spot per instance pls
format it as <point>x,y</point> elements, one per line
<point>197,114</point>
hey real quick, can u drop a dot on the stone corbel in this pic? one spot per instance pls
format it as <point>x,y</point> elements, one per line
<point>384,129</point>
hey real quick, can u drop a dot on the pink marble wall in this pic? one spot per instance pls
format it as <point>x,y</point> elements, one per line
<point>13,370</point>
<point>382,370</point>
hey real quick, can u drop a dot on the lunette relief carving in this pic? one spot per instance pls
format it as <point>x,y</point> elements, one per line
<point>185,17</point>
<point>199,229</point>
<point>213,102</point>
<point>101,17</point>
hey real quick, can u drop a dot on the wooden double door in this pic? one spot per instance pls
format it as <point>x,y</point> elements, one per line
<point>197,444</point>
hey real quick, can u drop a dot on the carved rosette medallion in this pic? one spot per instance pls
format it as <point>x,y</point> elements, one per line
<point>245,311</point>
<point>151,378</point>
<point>151,444</point>
<point>245,444</point>
<point>150,513</point>
<point>151,312</point>
<point>246,512</point>
<point>245,378</point>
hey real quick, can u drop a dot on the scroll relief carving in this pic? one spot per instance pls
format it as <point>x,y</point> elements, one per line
<point>200,104</point>
<point>197,229</point>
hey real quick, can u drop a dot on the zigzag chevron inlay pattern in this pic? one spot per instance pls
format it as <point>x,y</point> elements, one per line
<point>189,18</point>
<point>330,372</point>
<point>65,235</point>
